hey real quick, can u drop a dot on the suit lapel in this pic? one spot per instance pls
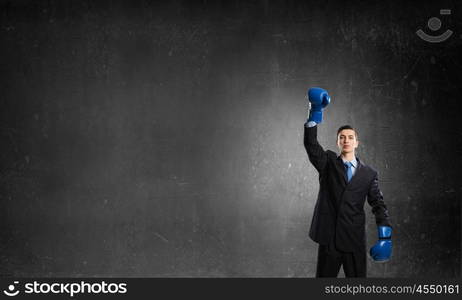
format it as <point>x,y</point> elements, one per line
<point>341,169</point>
<point>358,173</point>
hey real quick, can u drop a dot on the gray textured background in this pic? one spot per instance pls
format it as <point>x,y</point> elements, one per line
<point>165,139</point>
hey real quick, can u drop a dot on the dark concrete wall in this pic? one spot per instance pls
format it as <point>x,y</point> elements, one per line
<point>165,139</point>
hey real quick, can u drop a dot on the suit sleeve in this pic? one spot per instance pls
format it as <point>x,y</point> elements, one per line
<point>375,199</point>
<point>316,154</point>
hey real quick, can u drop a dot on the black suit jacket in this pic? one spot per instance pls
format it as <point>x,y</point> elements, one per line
<point>339,211</point>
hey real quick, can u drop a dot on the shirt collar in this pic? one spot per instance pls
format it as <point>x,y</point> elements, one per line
<point>354,162</point>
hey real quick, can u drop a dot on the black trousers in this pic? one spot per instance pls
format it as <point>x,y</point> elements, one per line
<point>330,260</point>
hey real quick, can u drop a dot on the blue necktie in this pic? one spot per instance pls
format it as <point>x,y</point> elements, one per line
<point>349,172</point>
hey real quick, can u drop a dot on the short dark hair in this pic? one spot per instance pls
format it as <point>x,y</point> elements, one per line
<point>347,127</point>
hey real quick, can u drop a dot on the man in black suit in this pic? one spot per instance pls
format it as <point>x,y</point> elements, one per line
<point>338,223</point>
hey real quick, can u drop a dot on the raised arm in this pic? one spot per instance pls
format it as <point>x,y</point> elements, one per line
<point>316,154</point>
<point>318,99</point>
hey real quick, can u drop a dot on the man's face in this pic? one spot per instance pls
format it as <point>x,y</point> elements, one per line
<point>346,141</point>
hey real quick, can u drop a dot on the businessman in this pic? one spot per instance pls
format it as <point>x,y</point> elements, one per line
<point>338,223</point>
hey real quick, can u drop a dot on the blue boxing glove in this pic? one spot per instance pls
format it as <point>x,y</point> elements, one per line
<point>318,99</point>
<point>381,251</point>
